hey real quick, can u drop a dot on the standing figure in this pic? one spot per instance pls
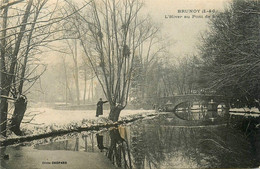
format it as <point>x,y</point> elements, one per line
<point>100,107</point>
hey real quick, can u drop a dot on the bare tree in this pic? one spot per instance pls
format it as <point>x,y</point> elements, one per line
<point>110,34</point>
<point>148,55</point>
<point>72,45</point>
<point>24,34</point>
<point>6,87</point>
<point>68,94</point>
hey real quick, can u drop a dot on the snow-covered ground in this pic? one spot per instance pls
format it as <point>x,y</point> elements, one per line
<point>42,120</point>
<point>50,116</point>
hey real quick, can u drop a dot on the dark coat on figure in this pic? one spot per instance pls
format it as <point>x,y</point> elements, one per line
<point>100,108</point>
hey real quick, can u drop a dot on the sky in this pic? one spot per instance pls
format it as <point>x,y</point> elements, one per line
<point>184,31</point>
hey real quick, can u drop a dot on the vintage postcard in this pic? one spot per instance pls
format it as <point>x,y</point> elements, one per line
<point>138,84</point>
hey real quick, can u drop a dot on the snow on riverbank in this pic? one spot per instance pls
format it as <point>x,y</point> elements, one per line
<point>50,116</point>
<point>43,120</point>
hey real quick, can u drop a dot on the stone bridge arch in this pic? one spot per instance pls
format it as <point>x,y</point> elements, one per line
<point>169,103</point>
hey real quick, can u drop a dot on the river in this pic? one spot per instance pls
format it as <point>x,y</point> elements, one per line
<point>155,142</point>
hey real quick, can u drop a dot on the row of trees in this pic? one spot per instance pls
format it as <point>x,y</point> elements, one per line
<point>57,85</point>
<point>231,53</point>
<point>166,76</point>
<point>228,62</point>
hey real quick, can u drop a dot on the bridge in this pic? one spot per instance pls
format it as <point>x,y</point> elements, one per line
<point>169,103</point>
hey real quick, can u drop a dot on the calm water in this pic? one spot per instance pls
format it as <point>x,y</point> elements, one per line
<point>158,142</point>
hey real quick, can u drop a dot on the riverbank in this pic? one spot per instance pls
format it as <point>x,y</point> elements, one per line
<point>231,143</point>
<point>155,138</point>
<point>44,122</point>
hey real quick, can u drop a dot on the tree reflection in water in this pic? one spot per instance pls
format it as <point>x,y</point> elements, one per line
<point>163,143</point>
<point>118,151</point>
<point>156,145</point>
<point>159,143</point>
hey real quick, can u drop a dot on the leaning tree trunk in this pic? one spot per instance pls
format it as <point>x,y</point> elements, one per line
<point>3,119</point>
<point>19,110</point>
<point>114,113</point>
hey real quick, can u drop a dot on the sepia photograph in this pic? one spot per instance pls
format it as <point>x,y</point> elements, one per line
<point>131,84</point>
